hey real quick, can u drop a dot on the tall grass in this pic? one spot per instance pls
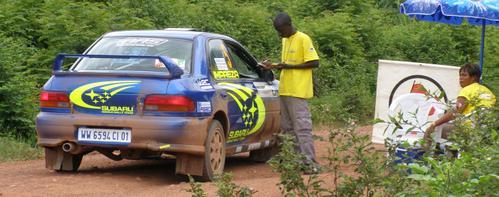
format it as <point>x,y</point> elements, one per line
<point>14,150</point>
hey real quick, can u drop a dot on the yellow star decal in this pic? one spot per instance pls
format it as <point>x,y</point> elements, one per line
<point>252,110</point>
<point>92,94</point>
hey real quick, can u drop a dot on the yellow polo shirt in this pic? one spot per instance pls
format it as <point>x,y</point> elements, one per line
<point>484,97</point>
<point>297,49</point>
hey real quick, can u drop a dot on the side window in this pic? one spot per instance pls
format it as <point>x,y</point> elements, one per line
<point>242,61</point>
<point>221,64</point>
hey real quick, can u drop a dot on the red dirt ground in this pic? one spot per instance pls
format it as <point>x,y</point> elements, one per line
<point>100,176</point>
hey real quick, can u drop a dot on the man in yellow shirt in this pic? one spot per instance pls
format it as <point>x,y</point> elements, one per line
<point>471,96</point>
<point>298,58</point>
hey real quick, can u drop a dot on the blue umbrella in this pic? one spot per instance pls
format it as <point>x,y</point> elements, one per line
<point>476,12</point>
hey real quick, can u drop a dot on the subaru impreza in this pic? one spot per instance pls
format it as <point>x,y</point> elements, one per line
<point>194,96</point>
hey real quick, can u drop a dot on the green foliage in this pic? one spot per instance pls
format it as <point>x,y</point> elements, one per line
<point>18,19</point>
<point>13,150</point>
<point>342,104</point>
<point>195,188</point>
<point>345,91</point>
<point>347,148</point>
<point>455,177</point>
<point>226,188</point>
<point>350,36</point>
<point>472,173</point>
<point>469,135</point>
<point>245,22</point>
<point>17,94</point>
<point>427,43</point>
<point>490,72</point>
<point>288,163</point>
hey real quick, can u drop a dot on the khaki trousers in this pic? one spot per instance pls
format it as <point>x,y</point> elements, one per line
<point>297,121</point>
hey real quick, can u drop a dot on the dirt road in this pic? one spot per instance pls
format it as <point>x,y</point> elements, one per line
<point>100,176</point>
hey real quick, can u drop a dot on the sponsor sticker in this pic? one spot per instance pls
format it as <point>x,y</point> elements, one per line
<point>226,74</point>
<point>204,84</point>
<point>251,107</point>
<point>141,42</point>
<point>204,106</point>
<point>221,63</point>
<point>266,90</point>
<point>254,146</point>
<point>239,149</point>
<point>105,97</point>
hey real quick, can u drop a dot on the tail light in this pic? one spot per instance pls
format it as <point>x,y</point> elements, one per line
<point>170,103</point>
<point>54,99</point>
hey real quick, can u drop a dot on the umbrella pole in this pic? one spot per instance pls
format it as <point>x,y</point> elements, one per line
<point>482,44</point>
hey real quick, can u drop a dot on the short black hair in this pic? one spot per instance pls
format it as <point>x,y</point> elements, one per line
<point>472,69</point>
<point>282,18</point>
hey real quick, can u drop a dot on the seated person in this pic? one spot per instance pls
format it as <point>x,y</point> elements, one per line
<point>471,96</point>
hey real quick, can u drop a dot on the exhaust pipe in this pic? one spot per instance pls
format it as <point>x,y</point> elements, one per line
<point>68,147</point>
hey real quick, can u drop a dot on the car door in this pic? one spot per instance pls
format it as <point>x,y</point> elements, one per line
<point>252,102</point>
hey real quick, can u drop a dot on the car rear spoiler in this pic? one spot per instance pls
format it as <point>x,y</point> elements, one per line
<point>174,69</point>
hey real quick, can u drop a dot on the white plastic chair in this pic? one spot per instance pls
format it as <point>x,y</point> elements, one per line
<point>419,111</point>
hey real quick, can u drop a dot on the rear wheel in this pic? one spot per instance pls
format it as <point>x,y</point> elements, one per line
<point>58,160</point>
<point>214,160</point>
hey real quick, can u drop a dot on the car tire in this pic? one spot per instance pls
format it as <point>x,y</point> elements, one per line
<point>214,159</point>
<point>61,161</point>
<point>264,154</point>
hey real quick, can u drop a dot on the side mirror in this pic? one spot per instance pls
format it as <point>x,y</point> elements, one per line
<point>268,76</point>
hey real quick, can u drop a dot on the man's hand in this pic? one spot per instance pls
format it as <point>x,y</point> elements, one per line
<point>266,64</point>
<point>159,64</point>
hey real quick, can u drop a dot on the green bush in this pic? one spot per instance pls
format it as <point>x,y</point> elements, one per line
<point>18,94</point>
<point>289,164</point>
<point>342,104</point>
<point>227,188</point>
<point>350,36</point>
<point>472,173</point>
<point>195,188</point>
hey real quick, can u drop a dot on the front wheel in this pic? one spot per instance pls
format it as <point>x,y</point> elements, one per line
<point>214,159</point>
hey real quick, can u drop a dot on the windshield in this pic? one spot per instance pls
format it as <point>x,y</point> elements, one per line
<point>178,50</point>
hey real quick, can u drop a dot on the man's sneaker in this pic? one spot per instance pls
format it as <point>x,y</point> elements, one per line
<point>313,168</point>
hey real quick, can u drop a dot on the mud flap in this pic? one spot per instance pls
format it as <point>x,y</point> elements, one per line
<point>56,159</point>
<point>189,164</point>
<point>263,155</point>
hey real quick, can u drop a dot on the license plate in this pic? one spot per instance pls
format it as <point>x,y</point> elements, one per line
<point>111,136</point>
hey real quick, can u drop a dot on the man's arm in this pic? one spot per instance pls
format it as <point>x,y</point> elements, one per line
<point>306,65</point>
<point>460,106</point>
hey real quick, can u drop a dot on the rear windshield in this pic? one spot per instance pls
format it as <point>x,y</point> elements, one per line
<point>178,50</point>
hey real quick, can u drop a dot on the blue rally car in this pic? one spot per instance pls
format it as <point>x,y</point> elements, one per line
<point>193,96</point>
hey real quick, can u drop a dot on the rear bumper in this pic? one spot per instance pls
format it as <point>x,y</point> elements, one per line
<point>154,133</point>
